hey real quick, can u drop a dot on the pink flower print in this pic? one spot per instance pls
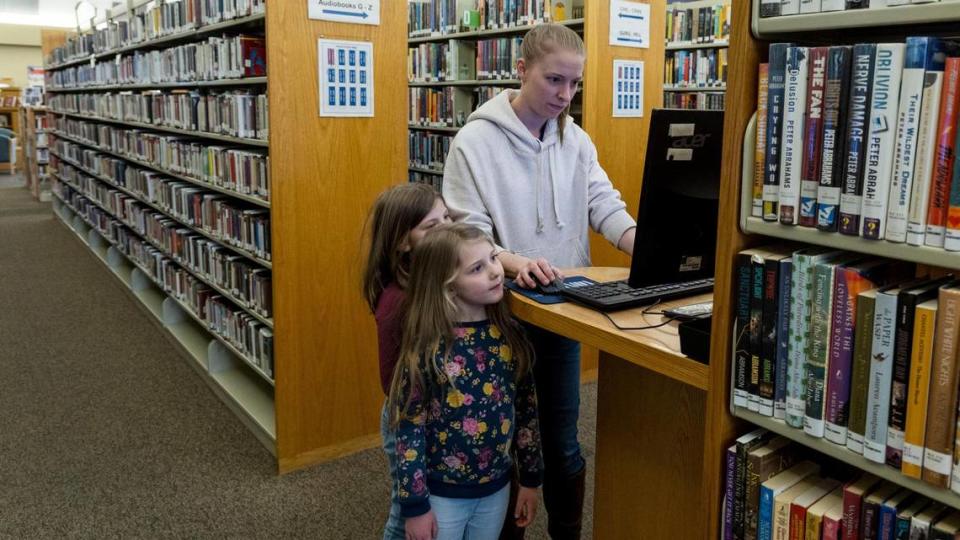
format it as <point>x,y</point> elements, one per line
<point>524,437</point>
<point>452,462</point>
<point>467,399</point>
<point>460,332</point>
<point>435,408</point>
<point>452,369</point>
<point>419,485</point>
<point>497,394</point>
<point>470,426</point>
<point>483,460</point>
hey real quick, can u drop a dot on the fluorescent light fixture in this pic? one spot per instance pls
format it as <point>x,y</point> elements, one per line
<point>55,20</point>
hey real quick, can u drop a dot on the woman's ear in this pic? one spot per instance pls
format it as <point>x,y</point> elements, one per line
<point>405,246</point>
<point>521,68</point>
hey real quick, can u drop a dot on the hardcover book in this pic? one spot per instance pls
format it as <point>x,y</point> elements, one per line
<point>858,118</point>
<point>835,100</point>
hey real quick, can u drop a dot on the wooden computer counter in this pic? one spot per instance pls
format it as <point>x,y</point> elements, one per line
<point>651,417</point>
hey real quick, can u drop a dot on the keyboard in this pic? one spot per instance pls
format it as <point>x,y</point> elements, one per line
<point>617,295</point>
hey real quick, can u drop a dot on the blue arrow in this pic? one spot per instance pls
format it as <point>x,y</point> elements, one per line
<point>623,16</point>
<point>346,13</point>
<point>629,39</point>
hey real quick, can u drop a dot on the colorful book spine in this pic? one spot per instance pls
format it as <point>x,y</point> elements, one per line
<point>853,494</point>
<point>881,373</point>
<point>941,409</point>
<point>769,345</point>
<point>835,99</point>
<point>775,89</point>
<point>858,118</point>
<point>729,491</point>
<point>744,444</point>
<point>783,337</point>
<point>922,53</point>
<point>860,377</point>
<point>741,378</point>
<point>791,163</point>
<point>812,135</point>
<point>881,138</point>
<point>837,379</point>
<point>926,150</point>
<point>945,155</point>
<point>919,391</point>
<point>756,332</point>
<point>760,150</point>
<point>951,241</point>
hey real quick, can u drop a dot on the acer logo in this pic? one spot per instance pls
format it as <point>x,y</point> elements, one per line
<point>693,141</point>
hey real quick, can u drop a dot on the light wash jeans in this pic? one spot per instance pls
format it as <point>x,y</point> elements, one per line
<point>471,519</point>
<point>394,529</point>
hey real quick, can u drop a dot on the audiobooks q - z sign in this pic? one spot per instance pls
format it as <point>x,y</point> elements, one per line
<point>346,11</point>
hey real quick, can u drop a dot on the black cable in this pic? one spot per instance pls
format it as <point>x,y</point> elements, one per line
<point>646,311</point>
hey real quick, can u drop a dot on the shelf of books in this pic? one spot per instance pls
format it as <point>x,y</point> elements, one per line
<point>160,164</point>
<point>695,70</point>
<point>36,151</point>
<point>461,54</point>
<point>772,18</point>
<point>844,310</point>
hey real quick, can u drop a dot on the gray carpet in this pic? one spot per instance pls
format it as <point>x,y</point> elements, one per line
<point>106,432</point>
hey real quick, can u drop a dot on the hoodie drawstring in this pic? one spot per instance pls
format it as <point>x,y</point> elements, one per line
<point>539,208</point>
<point>553,184</point>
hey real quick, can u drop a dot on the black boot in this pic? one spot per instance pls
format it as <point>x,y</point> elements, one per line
<point>563,501</point>
<point>510,531</point>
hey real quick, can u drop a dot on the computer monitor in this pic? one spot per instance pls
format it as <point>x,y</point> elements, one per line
<point>676,234</point>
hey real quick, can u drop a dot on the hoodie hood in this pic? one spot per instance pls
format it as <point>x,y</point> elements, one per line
<point>500,112</point>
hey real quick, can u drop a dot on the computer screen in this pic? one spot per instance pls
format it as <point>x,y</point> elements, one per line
<point>676,234</point>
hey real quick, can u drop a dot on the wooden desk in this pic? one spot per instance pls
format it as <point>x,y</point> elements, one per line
<point>651,416</point>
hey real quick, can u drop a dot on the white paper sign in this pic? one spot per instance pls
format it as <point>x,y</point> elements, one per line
<point>630,24</point>
<point>346,77</point>
<point>345,11</point>
<point>627,88</point>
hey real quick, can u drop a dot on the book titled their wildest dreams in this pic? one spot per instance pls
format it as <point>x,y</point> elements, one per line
<point>791,155</point>
<point>881,138</point>
<point>834,121</point>
<point>775,88</point>
<point>858,117</point>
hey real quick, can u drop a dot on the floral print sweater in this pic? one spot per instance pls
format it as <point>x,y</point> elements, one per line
<point>456,439</point>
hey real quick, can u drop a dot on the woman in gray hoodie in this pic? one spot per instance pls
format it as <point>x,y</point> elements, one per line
<point>524,172</point>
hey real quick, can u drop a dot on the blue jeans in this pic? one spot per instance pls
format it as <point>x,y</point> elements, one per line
<point>557,377</point>
<point>394,529</point>
<point>471,519</point>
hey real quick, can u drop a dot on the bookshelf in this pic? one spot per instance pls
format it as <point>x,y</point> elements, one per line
<point>10,118</point>
<point>316,400</point>
<point>36,151</point>
<point>749,39</point>
<point>697,41</point>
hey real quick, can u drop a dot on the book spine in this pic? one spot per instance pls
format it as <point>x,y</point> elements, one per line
<point>881,373</point>
<point>887,522</point>
<point>919,56</point>
<point>797,343</point>
<point>941,410</point>
<point>765,520</point>
<point>834,120</point>
<point>752,497</point>
<point>951,241</point>
<point>809,6</point>
<point>860,379</point>
<point>760,151</point>
<point>881,138</point>
<point>902,531</point>
<point>831,529</point>
<point>789,7</point>
<point>783,336</point>
<point>791,162</point>
<point>820,331</point>
<point>729,492</point>
<point>756,338</point>
<point>814,527</point>
<point>768,355</point>
<point>926,150</point>
<point>812,136</point>
<point>861,82</point>
<point>903,345</point>
<point>798,522</point>
<point>919,390</point>
<point>775,88</point>
<point>741,377</point>
<point>945,155</point>
<point>837,378</point>
<point>852,502</point>
<point>871,519</point>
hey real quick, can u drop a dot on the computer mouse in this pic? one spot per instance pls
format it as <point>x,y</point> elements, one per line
<point>552,289</point>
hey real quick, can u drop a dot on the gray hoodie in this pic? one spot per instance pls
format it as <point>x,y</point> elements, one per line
<point>535,198</point>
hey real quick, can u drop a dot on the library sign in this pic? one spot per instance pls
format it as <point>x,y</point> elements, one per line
<point>345,11</point>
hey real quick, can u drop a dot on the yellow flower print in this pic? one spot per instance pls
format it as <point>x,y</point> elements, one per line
<point>494,331</point>
<point>487,389</point>
<point>506,353</point>
<point>481,427</point>
<point>505,426</point>
<point>410,454</point>
<point>454,399</point>
<point>442,436</point>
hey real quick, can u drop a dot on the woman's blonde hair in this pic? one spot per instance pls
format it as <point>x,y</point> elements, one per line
<point>544,39</point>
<point>432,315</point>
<point>395,213</point>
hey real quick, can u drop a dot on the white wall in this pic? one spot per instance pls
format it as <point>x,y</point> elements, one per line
<point>19,48</point>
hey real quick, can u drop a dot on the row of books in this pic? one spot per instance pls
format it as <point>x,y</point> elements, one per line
<point>699,68</point>
<point>247,283</point>
<point>216,58</point>
<point>497,58</point>
<point>9,101</point>
<point>777,8</point>
<point>229,221</point>
<point>440,107</point>
<point>428,150</point>
<point>777,489</point>
<point>843,346</point>
<point>434,180</point>
<point>699,25</point>
<point>861,140</point>
<point>460,60</point>
<point>241,170</point>
<point>709,101</point>
<point>237,113</point>
<point>152,20</point>
<point>439,17</point>
<point>250,336</point>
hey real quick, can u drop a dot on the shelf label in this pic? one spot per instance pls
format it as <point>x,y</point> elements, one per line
<point>345,11</point>
<point>627,88</point>
<point>630,24</point>
<point>346,77</point>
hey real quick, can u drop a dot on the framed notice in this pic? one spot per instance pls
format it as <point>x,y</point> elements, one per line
<point>346,77</point>
<point>627,88</point>
<point>345,11</point>
<point>629,24</point>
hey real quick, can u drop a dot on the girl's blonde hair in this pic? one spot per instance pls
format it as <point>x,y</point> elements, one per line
<point>547,38</point>
<point>432,314</point>
<point>395,213</point>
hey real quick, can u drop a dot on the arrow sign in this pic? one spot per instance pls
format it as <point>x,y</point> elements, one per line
<point>630,40</point>
<point>629,24</point>
<point>346,13</point>
<point>343,11</point>
<point>628,16</point>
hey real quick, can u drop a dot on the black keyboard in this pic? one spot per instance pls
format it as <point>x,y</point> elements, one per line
<point>617,295</point>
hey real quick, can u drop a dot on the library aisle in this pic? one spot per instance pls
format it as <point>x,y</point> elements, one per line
<point>114,436</point>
